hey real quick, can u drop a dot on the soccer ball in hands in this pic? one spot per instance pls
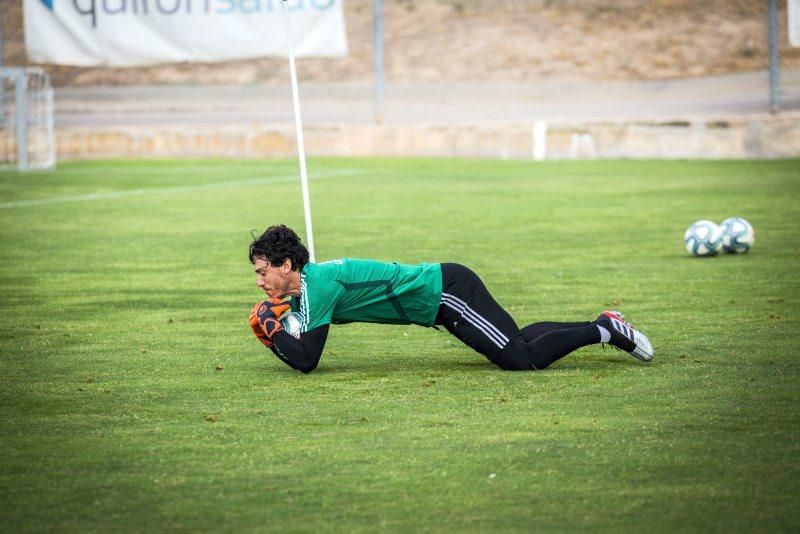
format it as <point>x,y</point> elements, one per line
<point>291,323</point>
<point>737,235</point>
<point>703,238</point>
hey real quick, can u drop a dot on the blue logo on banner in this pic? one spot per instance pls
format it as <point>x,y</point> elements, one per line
<point>95,8</point>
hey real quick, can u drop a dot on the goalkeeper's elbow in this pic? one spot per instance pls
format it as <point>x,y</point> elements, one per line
<point>306,368</point>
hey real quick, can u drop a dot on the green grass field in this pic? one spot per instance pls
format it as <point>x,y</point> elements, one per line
<point>133,396</point>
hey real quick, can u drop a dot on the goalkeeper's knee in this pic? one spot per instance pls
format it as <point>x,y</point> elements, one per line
<point>516,356</point>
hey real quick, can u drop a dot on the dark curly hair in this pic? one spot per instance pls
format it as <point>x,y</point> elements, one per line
<point>278,243</point>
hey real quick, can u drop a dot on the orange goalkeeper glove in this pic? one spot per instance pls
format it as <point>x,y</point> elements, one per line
<point>265,319</point>
<point>256,328</point>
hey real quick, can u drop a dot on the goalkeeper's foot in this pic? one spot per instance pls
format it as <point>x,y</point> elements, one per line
<point>625,337</point>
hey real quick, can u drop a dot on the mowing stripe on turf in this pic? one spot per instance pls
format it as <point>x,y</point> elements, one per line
<point>161,190</point>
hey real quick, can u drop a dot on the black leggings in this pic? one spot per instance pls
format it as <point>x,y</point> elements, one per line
<point>469,312</point>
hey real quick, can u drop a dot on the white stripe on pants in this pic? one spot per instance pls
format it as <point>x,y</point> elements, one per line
<point>475,319</point>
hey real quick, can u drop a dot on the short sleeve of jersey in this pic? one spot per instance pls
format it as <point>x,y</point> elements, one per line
<point>319,294</point>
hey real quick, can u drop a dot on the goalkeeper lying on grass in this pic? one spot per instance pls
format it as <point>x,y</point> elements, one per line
<point>428,294</point>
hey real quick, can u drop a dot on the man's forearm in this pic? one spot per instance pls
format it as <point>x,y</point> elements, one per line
<point>302,354</point>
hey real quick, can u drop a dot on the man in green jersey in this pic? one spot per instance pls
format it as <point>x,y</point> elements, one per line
<point>428,294</point>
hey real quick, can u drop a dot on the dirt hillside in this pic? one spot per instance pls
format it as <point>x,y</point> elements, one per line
<point>510,40</point>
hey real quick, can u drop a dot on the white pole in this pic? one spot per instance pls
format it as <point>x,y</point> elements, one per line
<point>379,74</point>
<point>540,140</point>
<point>301,150</point>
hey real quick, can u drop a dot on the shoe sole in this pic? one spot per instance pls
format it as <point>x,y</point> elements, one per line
<point>644,349</point>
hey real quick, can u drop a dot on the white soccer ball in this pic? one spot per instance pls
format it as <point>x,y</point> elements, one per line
<point>737,235</point>
<point>703,238</point>
<point>292,324</point>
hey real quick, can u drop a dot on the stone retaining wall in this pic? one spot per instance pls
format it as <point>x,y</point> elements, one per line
<point>758,136</point>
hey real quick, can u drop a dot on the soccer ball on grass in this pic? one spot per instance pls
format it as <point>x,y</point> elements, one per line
<point>737,235</point>
<point>703,238</point>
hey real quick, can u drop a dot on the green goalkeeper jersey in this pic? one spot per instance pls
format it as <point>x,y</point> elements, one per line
<point>368,291</point>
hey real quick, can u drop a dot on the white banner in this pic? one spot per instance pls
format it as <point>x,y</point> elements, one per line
<point>794,22</point>
<point>145,32</point>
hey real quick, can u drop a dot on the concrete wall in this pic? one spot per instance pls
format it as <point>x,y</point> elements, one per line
<point>756,136</point>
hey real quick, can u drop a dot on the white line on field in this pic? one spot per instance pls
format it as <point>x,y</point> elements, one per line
<point>144,169</point>
<point>161,190</point>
